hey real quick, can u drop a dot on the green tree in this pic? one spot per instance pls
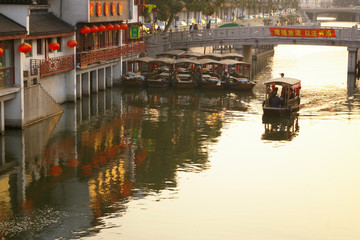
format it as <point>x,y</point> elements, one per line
<point>207,7</point>
<point>166,10</point>
<point>345,3</point>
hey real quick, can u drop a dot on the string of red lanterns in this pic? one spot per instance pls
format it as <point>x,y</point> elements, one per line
<point>94,29</point>
<point>102,28</point>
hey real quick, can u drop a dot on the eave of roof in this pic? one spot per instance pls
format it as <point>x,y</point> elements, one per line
<point>46,23</point>
<point>10,28</point>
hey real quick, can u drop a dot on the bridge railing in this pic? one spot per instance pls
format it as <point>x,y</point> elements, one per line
<point>234,33</point>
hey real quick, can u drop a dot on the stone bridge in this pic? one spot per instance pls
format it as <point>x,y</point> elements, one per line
<point>253,36</point>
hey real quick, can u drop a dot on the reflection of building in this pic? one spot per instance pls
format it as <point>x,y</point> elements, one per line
<point>280,127</point>
<point>41,64</point>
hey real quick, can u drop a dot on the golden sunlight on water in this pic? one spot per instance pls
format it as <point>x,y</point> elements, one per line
<point>258,188</point>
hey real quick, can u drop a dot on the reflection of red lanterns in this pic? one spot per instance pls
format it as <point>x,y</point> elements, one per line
<point>123,26</point>
<point>101,28</point>
<point>85,30</point>
<point>94,29</point>
<point>24,48</point>
<point>109,27</point>
<point>72,43</point>
<point>54,46</point>
<point>73,162</point>
<point>116,27</point>
<point>55,171</point>
<point>1,52</point>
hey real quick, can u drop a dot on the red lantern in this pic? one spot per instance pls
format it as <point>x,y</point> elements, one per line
<point>109,27</point>
<point>102,28</point>
<point>94,29</point>
<point>25,48</point>
<point>123,26</point>
<point>1,52</point>
<point>116,27</point>
<point>72,43</point>
<point>143,5</point>
<point>85,30</point>
<point>54,46</point>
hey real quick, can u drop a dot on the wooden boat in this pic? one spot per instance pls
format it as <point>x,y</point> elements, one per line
<point>288,102</point>
<point>160,75</point>
<point>137,72</point>
<point>209,75</point>
<point>237,75</point>
<point>184,74</point>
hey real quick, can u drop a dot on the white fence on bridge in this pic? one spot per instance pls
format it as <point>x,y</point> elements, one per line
<point>259,35</point>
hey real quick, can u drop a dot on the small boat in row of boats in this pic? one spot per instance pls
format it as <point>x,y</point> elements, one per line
<point>190,70</point>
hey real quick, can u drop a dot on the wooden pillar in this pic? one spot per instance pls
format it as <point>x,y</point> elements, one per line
<point>102,80</point>
<point>109,76</point>
<point>86,83</point>
<point>352,59</point>
<point>2,118</point>
<point>78,85</point>
<point>94,78</point>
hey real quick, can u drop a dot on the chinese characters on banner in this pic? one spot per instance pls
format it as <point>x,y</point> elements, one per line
<point>299,32</point>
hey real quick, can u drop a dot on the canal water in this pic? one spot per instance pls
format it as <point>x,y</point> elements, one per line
<point>167,164</point>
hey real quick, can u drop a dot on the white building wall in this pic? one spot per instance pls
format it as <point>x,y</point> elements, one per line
<point>71,11</point>
<point>14,109</point>
<point>17,13</point>
<point>55,86</point>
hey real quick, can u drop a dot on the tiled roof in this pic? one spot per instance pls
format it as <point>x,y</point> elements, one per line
<point>26,2</point>
<point>9,27</point>
<point>44,23</point>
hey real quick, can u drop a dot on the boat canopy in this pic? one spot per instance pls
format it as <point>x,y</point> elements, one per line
<point>171,53</point>
<point>207,61</point>
<point>232,62</point>
<point>283,81</point>
<point>164,60</point>
<point>230,55</point>
<point>185,60</point>
<point>143,59</point>
<point>191,54</point>
<point>216,56</point>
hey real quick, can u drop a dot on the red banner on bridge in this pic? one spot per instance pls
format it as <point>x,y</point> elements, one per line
<point>300,32</point>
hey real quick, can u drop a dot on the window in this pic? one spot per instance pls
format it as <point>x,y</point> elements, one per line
<point>29,54</point>
<point>39,46</point>
<point>59,41</point>
<point>49,40</point>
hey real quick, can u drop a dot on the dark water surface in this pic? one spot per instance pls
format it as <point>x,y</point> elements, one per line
<point>166,164</point>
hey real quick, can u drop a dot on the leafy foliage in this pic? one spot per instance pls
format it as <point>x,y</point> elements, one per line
<point>345,3</point>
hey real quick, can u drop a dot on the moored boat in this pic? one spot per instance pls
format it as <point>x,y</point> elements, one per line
<point>137,72</point>
<point>160,75</point>
<point>209,74</point>
<point>184,74</point>
<point>237,75</point>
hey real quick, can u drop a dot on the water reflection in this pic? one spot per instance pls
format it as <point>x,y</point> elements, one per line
<point>280,127</point>
<point>107,147</point>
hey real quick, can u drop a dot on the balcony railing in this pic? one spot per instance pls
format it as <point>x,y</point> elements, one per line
<point>95,56</point>
<point>52,66</point>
